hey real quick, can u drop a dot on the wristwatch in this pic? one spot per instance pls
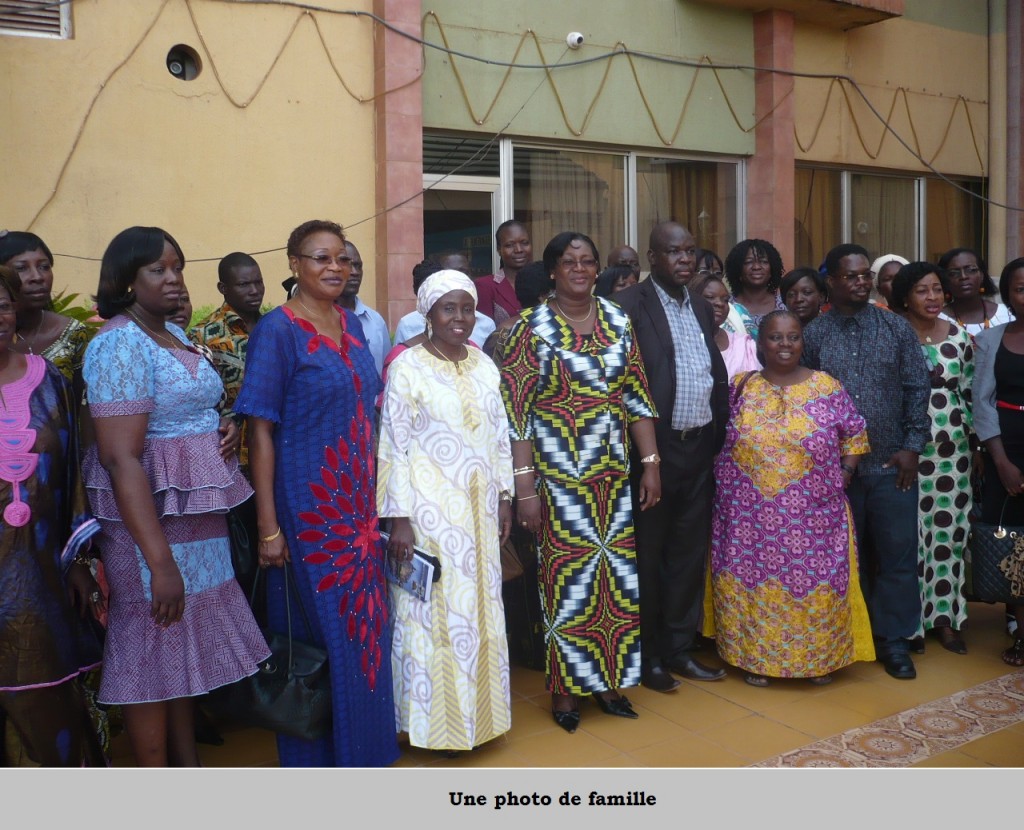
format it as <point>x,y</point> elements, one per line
<point>654,458</point>
<point>505,495</point>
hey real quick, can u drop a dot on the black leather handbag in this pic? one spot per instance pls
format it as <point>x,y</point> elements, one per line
<point>994,562</point>
<point>291,691</point>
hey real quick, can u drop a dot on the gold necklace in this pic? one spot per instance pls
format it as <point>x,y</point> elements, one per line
<point>456,363</point>
<point>309,311</point>
<point>156,335</point>
<point>574,319</point>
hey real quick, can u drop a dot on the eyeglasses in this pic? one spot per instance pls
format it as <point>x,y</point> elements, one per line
<point>585,264</point>
<point>323,260</point>
<point>707,272</point>
<point>866,276</point>
<point>969,271</point>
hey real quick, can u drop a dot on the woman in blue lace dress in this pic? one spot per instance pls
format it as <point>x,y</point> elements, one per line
<point>160,478</point>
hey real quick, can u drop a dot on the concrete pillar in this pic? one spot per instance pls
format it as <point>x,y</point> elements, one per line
<point>770,172</point>
<point>1014,131</point>
<point>399,152</point>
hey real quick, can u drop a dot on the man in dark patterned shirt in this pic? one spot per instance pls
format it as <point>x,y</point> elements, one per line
<point>876,356</point>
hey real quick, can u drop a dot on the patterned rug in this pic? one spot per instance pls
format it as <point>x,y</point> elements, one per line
<point>909,737</point>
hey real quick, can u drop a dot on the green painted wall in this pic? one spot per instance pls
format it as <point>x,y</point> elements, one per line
<point>593,102</point>
<point>960,15</point>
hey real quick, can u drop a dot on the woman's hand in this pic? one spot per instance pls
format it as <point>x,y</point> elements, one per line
<point>231,437</point>
<point>528,513</point>
<point>168,589</point>
<point>274,552</point>
<point>84,592</point>
<point>1011,478</point>
<point>402,540</point>
<point>504,520</point>
<point>650,486</point>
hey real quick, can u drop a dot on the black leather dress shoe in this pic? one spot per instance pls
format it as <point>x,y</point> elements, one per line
<point>618,706</point>
<point>898,664</point>
<point>569,721</point>
<point>656,678</point>
<point>693,670</point>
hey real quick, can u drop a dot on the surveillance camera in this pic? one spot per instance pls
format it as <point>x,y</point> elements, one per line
<point>176,68</point>
<point>574,40</point>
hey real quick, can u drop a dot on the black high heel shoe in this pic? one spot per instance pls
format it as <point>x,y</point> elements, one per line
<point>618,706</point>
<point>569,719</point>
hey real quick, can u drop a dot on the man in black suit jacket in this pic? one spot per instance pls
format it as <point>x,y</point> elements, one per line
<point>690,387</point>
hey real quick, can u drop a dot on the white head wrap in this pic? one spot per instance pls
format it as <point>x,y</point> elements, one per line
<point>884,260</point>
<point>440,283</point>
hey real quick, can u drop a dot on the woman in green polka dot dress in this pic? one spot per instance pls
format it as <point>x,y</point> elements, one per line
<point>944,473</point>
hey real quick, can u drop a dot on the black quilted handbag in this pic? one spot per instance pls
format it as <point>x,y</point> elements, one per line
<point>994,562</point>
<point>291,691</point>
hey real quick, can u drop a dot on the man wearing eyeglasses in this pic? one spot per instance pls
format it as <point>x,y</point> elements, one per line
<point>674,329</point>
<point>875,355</point>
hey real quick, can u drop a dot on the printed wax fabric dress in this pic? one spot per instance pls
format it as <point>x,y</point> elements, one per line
<point>782,540</point>
<point>217,641</point>
<point>68,350</point>
<point>573,397</point>
<point>444,459</point>
<point>320,397</point>
<point>43,642</point>
<point>944,482</point>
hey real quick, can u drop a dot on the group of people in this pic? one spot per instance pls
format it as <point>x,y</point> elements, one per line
<point>779,463</point>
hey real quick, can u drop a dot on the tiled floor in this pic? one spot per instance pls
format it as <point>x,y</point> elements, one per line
<point>723,724</point>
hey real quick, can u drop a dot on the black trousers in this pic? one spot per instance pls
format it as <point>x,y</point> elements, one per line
<point>672,541</point>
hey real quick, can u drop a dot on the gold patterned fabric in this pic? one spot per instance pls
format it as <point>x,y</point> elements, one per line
<point>783,547</point>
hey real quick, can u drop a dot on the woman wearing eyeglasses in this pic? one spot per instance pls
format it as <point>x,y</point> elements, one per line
<point>309,391</point>
<point>974,302</point>
<point>576,393</point>
<point>753,269</point>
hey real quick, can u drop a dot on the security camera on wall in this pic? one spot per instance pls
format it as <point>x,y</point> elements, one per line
<point>574,40</point>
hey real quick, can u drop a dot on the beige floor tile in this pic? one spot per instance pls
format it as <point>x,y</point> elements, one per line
<point>1004,748</point>
<point>819,716</point>
<point>690,706</point>
<point>757,737</point>
<point>629,735</point>
<point>695,751</point>
<point>878,700</point>
<point>557,748</point>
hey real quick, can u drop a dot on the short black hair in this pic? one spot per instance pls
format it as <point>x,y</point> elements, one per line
<point>533,284</point>
<point>771,316</point>
<point>797,274</point>
<point>833,257</point>
<point>127,252</point>
<point>734,263</point>
<point>1004,279</point>
<point>988,285</point>
<point>605,285</point>
<point>508,223</point>
<point>298,236</point>
<point>556,247</point>
<point>910,275</point>
<point>237,259</point>
<point>16,243</point>
<point>422,270</point>
<point>704,255</point>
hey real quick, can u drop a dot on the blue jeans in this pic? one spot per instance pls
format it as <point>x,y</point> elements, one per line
<point>885,520</point>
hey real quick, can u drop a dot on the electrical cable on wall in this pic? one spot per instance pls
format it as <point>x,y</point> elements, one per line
<point>620,49</point>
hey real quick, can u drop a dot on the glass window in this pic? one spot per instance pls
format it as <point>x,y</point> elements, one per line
<point>955,219</point>
<point>883,214</point>
<point>566,190</point>
<point>819,214</point>
<point>698,194</point>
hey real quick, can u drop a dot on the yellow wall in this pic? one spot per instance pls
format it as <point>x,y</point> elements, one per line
<point>142,147</point>
<point>934,66</point>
